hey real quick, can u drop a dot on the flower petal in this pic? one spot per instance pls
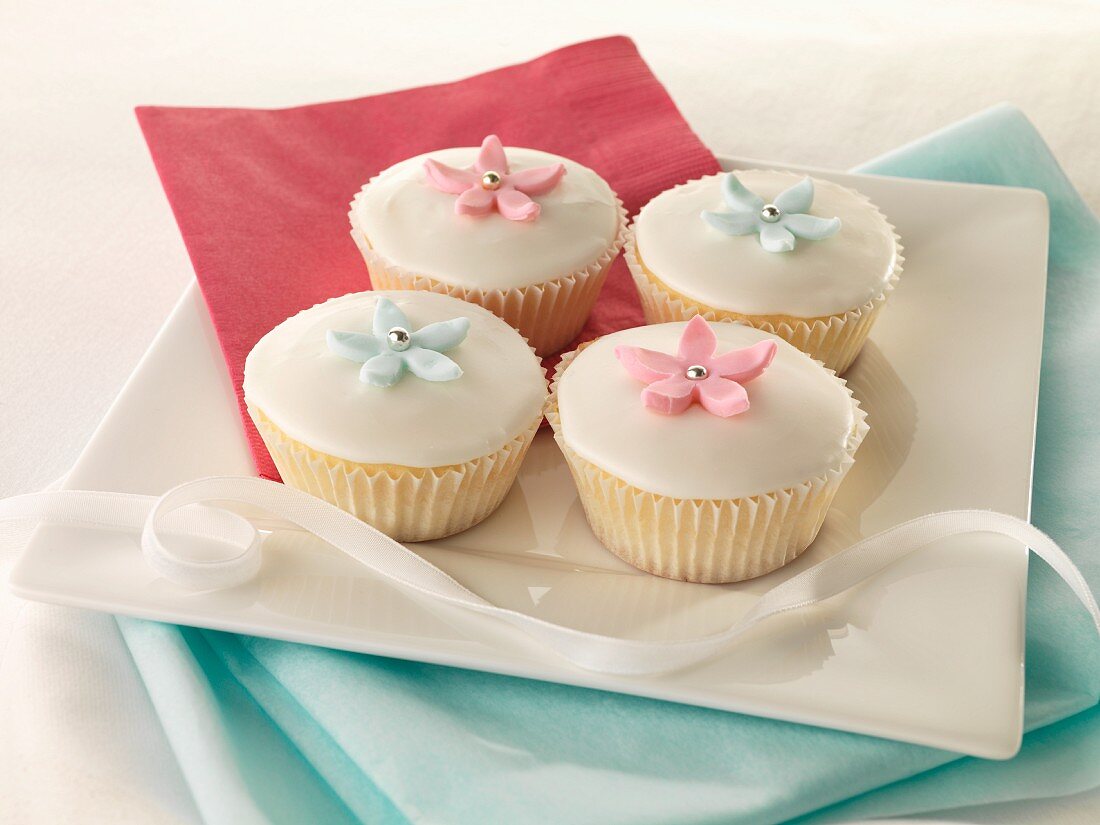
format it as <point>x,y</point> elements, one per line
<point>738,198</point>
<point>537,181</point>
<point>442,335</point>
<point>775,237</point>
<point>648,365</point>
<point>475,201</point>
<point>355,346</point>
<point>670,396</point>
<point>448,179</point>
<point>516,206</point>
<point>383,370</point>
<point>743,365</point>
<point>722,397</point>
<point>430,365</point>
<point>811,227</point>
<point>732,223</point>
<point>798,198</point>
<point>697,342</point>
<point>386,317</point>
<point>491,158</point>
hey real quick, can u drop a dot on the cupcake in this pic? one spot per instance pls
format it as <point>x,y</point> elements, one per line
<point>410,410</point>
<point>703,452</point>
<point>806,259</point>
<point>528,235</point>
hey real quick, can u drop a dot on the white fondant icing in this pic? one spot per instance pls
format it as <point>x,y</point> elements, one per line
<point>815,279</point>
<point>797,426</point>
<point>316,397</point>
<point>414,225</point>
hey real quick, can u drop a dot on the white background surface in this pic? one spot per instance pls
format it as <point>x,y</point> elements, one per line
<point>91,262</point>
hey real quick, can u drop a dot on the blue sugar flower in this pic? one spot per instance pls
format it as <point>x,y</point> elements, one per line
<point>778,222</point>
<point>392,347</point>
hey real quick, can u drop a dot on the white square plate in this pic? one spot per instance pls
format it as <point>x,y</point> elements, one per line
<point>929,651</point>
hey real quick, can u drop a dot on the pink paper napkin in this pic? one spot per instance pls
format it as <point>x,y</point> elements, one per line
<point>261,195</point>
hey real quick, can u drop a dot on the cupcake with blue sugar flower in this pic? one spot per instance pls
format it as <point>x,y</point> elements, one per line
<point>806,259</point>
<point>408,409</point>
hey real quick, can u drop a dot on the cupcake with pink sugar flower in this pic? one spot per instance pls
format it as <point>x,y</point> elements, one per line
<point>526,234</point>
<point>707,452</point>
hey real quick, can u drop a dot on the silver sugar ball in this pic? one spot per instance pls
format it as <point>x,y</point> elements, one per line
<point>399,339</point>
<point>696,372</point>
<point>491,180</point>
<point>770,213</point>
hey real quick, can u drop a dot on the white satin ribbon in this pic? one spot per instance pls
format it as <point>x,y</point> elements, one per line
<point>183,515</point>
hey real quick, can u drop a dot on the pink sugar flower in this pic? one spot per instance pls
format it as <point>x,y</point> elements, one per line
<point>697,372</point>
<point>489,185</point>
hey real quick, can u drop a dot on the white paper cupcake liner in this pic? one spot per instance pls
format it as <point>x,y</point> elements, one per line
<point>549,314</point>
<point>834,340</point>
<point>703,540</point>
<point>405,503</point>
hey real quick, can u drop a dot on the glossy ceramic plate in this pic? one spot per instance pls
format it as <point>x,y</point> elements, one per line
<point>929,651</point>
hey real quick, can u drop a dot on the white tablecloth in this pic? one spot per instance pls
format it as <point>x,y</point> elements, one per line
<point>91,262</point>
